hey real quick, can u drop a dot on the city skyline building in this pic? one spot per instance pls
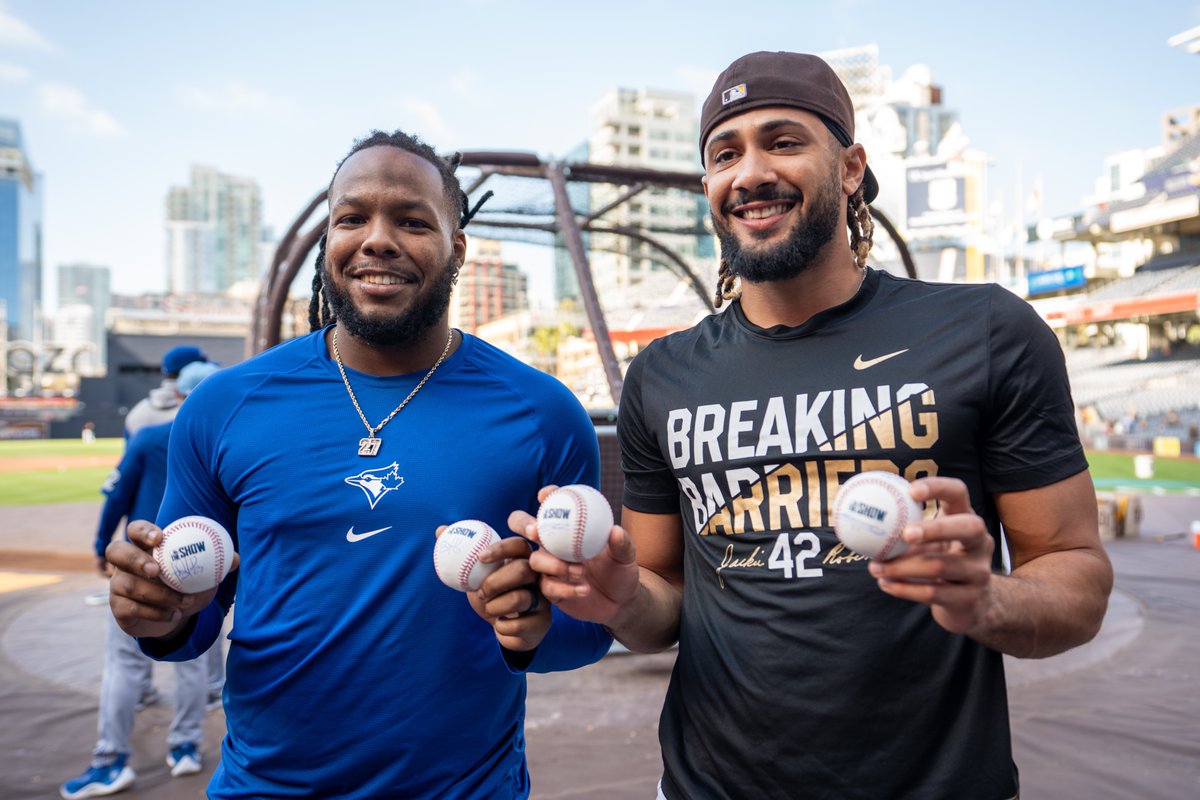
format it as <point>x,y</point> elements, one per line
<point>658,130</point>
<point>80,327</point>
<point>933,186</point>
<point>20,235</point>
<point>213,232</point>
<point>487,288</point>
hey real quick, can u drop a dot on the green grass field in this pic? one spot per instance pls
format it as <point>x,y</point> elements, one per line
<point>63,482</point>
<point>70,483</point>
<point>40,448</point>
<point>1110,470</point>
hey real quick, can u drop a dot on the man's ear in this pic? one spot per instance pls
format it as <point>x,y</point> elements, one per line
<point>854,168</point>
<point>458,245</point>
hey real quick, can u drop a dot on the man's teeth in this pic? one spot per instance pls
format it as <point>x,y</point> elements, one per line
<point>382,280</point>
<point>766,211</point>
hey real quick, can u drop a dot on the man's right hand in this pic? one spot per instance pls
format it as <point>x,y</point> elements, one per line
<point>143,605</point>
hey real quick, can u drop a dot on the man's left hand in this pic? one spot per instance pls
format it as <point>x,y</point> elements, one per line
<point>509,599</point>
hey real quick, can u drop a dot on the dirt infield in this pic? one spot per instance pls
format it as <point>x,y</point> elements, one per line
<point>48,463</point>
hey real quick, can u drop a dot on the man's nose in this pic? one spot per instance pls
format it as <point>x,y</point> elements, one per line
<point>755,169</point>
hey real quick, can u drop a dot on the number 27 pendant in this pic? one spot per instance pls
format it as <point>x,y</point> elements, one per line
<point>369,446</point>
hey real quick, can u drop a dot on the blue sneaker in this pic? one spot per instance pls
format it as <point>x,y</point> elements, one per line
<point>100,780</point>
<point>183,759</point>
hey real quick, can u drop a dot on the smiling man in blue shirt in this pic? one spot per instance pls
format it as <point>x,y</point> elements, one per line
<point>352,670</point>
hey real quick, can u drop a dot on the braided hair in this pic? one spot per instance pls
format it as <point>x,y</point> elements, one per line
<point>319,312</point>
<point>862,229</point>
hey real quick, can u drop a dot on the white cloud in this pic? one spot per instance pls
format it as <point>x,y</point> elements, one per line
<point>67,102</point>
<point>233,96</point>
<point>15,33</point>
<point>11,73</point>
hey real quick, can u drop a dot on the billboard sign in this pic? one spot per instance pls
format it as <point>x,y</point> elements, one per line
<point>941,195</point>
<point>1052,280</point>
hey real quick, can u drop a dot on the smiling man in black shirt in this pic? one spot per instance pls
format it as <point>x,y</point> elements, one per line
<point>806,670</point>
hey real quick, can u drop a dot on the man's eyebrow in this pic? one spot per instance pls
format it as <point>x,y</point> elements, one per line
<point>776,124</point>
<point>346,200</point>
<point>717,138</point>
<point>413,204</point>
<point>769,126</point>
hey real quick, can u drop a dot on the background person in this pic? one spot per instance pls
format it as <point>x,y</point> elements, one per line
<point>134,491</point>
<point>162,402</point>
<point>804,670</point>
<point>352,670</point>
<point>158,407</point>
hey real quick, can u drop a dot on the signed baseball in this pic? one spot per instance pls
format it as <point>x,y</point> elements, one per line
<point>457,551</point>
<point>195,554</point>
<point>871,511</point>
<point>574,522</point>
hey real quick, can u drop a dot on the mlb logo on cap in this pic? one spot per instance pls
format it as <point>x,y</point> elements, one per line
<point>733,93</point>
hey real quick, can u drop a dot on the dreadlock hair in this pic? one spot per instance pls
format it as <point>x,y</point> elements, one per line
<point>319,312</point>
<point>862,227</point>
<point>858,220</point>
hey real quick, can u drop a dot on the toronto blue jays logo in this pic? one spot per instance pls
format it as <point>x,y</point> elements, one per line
<point>375,483</point>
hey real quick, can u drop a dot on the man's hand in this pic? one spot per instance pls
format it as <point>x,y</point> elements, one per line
<point>948,565</point>
<point>598,590</point>
<point>143,605</point>
<point>508,599</point>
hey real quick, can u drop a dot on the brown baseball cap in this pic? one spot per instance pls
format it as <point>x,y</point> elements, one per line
<point>796,80</point>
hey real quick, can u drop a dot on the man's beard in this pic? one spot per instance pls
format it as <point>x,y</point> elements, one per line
<point>426,311</point>
<point>795,254</point>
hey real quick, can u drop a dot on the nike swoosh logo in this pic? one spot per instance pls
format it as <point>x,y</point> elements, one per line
<point>351,536</point>
<point>859,363</point>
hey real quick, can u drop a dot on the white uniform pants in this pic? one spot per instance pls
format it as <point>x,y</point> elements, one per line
<point>125,671</point>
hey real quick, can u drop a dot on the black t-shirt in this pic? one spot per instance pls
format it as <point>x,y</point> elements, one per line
<point>796,676</point>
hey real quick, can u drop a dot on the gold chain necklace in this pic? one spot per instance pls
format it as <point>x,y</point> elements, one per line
<point>369,446</point>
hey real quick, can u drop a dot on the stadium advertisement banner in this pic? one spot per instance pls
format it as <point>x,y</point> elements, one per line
<point>1052,280</point>
<point>942,195</point>
<point>1131,219</point>
<point>1180,302</point>
<point>1181,182</point>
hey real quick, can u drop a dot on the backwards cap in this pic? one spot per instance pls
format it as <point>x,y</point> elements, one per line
<point>795,80</point>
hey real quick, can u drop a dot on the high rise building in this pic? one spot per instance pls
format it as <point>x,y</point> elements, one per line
<point>657,130</point>
<point>84,296</point>
<point>20,235</point>
<point>931,184</point>
<point>487,288</point>
<point>213,232</point>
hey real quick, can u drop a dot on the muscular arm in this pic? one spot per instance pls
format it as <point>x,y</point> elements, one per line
<point>1057,592</point>
<point>649,620</point>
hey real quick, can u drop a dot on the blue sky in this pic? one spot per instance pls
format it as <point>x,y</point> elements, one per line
<point>116,99</point>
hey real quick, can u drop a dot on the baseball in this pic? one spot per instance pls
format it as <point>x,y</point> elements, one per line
<point>457,551</point>
<point>574,522</point>
<point>194,555</point>
<point>871,511</point>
